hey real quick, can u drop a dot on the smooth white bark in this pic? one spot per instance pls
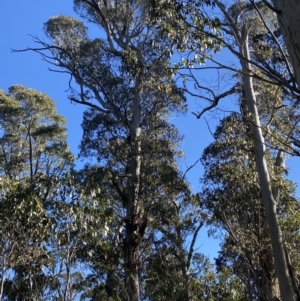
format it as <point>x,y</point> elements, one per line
<point>269,202</point>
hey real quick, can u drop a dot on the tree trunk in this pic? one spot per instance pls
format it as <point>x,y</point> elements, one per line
<point>288,14</point>
<point>269,202</point>
<point>135,220</point>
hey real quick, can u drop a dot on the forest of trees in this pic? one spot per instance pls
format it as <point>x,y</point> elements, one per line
<point>125,226</point>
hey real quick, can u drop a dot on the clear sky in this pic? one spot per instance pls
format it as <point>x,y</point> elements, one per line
<point>18,20</point>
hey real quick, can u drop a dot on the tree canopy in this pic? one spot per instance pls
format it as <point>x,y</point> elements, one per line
<point>125,224</point>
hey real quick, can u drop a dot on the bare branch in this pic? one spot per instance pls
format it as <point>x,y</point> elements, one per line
<point>190,167</point>
<point>216,100</point>
<point>209,128</point>
<point>89,104</point>
<point>191,251</point>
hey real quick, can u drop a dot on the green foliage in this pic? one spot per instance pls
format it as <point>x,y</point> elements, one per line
<point>126,81</point>
<point>120,228</point>
<point>33,155</point>
<point>32,133</point>
<point>233,201</point>
<point>183,24</point>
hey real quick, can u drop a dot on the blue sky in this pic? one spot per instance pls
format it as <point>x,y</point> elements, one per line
<point>19,20</point>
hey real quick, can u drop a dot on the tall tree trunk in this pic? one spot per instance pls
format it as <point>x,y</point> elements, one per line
<point>133,235</point>
<point>281,267</point>
<point>269,202</point>
<point>135,220</point>
<point>288,14</point>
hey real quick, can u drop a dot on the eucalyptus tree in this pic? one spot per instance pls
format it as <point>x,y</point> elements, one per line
<point>232,196</point>
<point>34,155</point>
<point>106,140</point>
<point>33,135</point>
<point>239,35</point>
<point>123,77</point>
<point>268,197</point>
<point>169,265</point>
